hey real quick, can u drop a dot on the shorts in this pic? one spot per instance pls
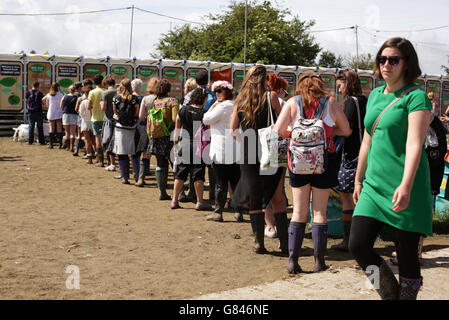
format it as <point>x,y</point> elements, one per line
<point>69,119</point>
<point>326,180</point>
<point>86,125</point>
<point>183,170</point>
<point>97,127</point>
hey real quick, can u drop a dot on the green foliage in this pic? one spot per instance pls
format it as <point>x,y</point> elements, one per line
<point>271,38</point>
<point>329,60</point>
<point>364,62</point>
<point>445,69</point>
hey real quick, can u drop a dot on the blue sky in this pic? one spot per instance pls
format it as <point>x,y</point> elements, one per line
<point>108,33</point>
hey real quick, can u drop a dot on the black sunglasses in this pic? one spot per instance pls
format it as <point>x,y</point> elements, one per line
<point>393,60</point>
<point>218,90</point>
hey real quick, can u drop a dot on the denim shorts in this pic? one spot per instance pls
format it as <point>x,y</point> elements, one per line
<point>69,119</point>
<point>97,127</point>
<point>326,180</point>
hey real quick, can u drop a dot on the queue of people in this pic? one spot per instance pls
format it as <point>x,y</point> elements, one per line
<point>383,179</point>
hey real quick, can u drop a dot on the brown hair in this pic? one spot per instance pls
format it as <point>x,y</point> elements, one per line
<point>310,87</point>
<point>353,86</point>
<point>151,86</point>
<point>108,81</point>
<point>198,97</point>
<point>412,70</point>
<point>163,87</point>
<point>72,89</point>
<point>252,96</point>
<point>124,90</point>
<point>54,88</point>
<point>275,82</point>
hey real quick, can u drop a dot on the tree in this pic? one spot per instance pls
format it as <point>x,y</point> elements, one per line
<point>364,62</point>
<point>329,60</point>
<point>445,69</point>
<point>271,38</point>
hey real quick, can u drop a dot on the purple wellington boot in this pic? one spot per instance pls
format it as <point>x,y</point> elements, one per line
<point>319,236</point>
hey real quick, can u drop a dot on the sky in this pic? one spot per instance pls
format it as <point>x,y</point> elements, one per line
<point>108,34</point>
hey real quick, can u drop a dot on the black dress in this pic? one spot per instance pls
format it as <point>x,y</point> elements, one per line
<point>254,191</point>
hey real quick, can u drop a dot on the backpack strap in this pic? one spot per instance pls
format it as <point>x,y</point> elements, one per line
<point>356,101</point>
<point>302,114</point>
<point>320,109</point>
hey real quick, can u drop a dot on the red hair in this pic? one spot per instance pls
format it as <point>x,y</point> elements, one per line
<point>276,82</point>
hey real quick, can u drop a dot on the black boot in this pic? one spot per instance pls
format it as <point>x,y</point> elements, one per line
<point>281,223</point>
<point>258,225</point>
<point>161,179</point>
<point>141,179</point>
<point>77,147</point>
<point>124,169</point>
<point>319,236</point>
<point>295,238</point>
<point>343,246</point>
<point>60,136</point>
<point>220,199</point>
<point>409,288</point>
<point>51,137</point>
<point>212,183</point>
<point>388,285</point>
<point>100,156</point>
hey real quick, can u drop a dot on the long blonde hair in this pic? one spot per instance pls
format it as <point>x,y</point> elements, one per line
<point>125,90</point>
<point>310,87</point>
<point>252,96</point>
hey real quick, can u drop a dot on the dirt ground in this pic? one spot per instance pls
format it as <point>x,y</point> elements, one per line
<point>56,211</point>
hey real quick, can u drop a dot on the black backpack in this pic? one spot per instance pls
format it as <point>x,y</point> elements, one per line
<point>33,103</point>
<point>436,148</point>
<point>125,111</point>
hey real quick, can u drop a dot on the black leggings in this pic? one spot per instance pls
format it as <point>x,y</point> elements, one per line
<point>364,232</point>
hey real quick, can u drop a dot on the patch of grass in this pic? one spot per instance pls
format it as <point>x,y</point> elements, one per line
<point>441,226</point>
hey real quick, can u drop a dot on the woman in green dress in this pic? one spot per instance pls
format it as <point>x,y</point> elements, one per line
<point>392,183</point>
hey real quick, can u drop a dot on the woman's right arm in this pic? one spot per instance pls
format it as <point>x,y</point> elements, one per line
<point>234,122</point>
<point>361,166</point>
<point>142,111</point>
<point>77,106</point>
<point>287,115</point>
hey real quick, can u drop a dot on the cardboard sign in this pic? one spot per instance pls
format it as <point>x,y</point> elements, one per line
<point>11,93</point>
<point>175,76</point>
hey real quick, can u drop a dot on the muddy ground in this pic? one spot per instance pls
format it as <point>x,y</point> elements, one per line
<point>56,211</point>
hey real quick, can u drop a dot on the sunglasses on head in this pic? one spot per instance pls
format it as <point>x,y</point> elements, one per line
<point>392,60</point>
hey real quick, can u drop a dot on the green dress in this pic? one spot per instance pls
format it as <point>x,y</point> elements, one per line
<point>385,164</point>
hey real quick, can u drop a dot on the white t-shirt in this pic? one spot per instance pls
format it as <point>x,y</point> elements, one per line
<point>84,111</point>
<point>54,108</point>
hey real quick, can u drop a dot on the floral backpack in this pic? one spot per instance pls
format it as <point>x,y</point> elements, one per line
<point>308,150</point>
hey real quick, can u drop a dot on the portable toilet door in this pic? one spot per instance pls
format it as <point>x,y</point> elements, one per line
<point>11,85</point>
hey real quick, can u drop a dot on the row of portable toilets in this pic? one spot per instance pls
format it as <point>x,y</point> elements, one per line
<point>18,72</point>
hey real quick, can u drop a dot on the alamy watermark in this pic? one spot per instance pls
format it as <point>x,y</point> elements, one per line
<point>73,280</point>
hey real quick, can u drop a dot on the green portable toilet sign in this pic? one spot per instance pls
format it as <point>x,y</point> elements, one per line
<point>120,71</point>
<point>93,70</point>
<point>326,79</point>
<point>37,68</point>
<point>239,75</point>
<point>146,72</point>
<point>171,73</point>
<point>65,83</point>
<point>380,83</point>
<point>366,82</point>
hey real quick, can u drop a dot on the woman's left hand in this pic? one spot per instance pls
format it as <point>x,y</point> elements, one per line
<point>401,198</point>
